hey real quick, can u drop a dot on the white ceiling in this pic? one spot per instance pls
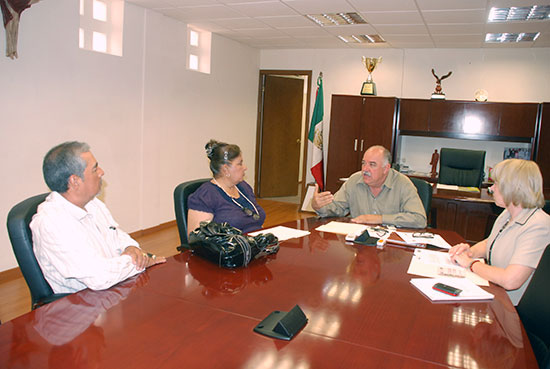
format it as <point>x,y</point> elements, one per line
<point>281,24</point>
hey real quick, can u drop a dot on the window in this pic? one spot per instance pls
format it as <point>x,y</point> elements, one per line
<point>198,49</point>
<point>101,23</point>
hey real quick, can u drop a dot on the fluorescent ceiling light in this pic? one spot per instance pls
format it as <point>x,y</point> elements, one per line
<point>511,37</point>
<point>519,13</point>
<point>336,19</point>
<point>362,39</point>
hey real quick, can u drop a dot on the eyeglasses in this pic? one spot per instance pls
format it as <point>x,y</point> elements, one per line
<point>380,232</point>
<point>423,235</point>
<point>250,213</point>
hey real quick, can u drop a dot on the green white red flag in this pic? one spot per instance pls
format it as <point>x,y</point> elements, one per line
<point>315,136</point>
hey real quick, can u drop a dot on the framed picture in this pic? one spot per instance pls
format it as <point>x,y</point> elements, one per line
<point>517,153</point>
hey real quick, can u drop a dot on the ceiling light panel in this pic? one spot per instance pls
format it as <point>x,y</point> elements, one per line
<point>511,37</point>
<point>362,39</point>
<point>336,19</point>
<point>521,13</point>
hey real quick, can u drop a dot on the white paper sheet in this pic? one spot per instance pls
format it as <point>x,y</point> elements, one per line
<point>282,233</point>
<point>470,292</point>
<point>342,228</point>
<point>441,186</point>
<point>436,240</point>
<point>428,263</point>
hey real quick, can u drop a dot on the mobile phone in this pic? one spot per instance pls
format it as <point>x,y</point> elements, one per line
<point>449,290</point>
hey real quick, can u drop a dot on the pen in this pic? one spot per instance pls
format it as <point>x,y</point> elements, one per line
<point>397,242</point>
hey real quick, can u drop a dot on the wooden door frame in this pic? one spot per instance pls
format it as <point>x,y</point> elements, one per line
<point>259,127</point>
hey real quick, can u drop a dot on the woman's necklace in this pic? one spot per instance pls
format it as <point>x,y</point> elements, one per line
<point>247,211</point>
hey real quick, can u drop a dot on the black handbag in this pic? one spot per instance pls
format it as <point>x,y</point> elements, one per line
<point>228,247</point>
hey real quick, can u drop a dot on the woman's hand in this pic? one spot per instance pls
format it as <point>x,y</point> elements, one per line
<point>461,254</point>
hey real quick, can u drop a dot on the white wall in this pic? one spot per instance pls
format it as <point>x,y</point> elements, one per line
<point>509,75</point>
<point>145,116</point>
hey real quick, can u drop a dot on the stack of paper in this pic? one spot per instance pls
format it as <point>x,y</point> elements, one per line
<point>342,228</point>
<point>470,292</point>
<point>428,263</point>
<point>435,239</point>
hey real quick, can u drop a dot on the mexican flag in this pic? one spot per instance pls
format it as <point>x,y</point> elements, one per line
<point>315,137</point>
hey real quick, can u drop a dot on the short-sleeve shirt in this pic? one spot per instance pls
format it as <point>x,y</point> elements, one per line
<point>209,198</point>
<point>520,242</point>
<point>398,202</point>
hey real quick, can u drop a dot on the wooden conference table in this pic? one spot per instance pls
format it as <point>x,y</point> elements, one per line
<point>188,313</point>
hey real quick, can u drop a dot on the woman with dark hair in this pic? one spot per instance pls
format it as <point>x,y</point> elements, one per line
<point>227,197</point>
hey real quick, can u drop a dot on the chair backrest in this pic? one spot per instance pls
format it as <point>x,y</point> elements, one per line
<point>20,234</point>
<point>534,306</point>
<point>425,191</point>
<point>461,167</point>
<point>181,193</point>
<point>546,207</point>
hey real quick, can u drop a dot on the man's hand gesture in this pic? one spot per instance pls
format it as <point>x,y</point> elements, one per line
<point>320,199</point>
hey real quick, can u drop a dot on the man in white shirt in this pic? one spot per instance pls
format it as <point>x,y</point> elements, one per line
<point>76,240</point>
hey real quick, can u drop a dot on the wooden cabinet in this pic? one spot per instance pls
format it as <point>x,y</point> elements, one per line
<point>518,120</point>
<point>414,115</point>
<point>468,119</point>
<point>356,123</point>
<point>542,154</point>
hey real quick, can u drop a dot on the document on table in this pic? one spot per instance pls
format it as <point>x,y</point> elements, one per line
<point>342,228</point>
<point>435,240</point>
<point>282,233</point>
<point>441,186</point>
<point>428,263</point>
<point>470,292</point>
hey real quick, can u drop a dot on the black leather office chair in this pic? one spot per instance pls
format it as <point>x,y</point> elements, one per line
<point>425,191</point>
<point>534,310</point>
<point>461,167</point>
<point>181,193</point>
<point>20,234</point>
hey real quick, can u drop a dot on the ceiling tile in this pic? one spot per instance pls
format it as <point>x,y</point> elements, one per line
<point>509,3</point>
<point>306,31</point>
<point>458,45</point>
<point>287,21</point>
<point>408,38</point>
<point>459,38</point>
<point>449,29</point>
<point>402,28</point>
<point>455,16</point>
<point>412,45</point>
<point>386,5</point>
<point>392,17</point>
<point>266,8</point>
<point>151,4</point>
<point>451,4</point>
<point>237,23</point>
<point>178,3</point>
<point>262,32</point>
<point>207,12</point>
<point>358,29</point>
<point>319,6</point>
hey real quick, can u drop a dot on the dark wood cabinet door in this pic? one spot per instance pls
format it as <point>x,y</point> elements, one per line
<point>378,123</point>
<point>518,120</point>
<point>343,145</point>
<point>542,156</point>
<point>481,118</point>
<point>446,116</point>
<point>414,115</point>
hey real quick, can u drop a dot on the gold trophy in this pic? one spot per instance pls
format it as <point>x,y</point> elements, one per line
<point>369,87</point>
